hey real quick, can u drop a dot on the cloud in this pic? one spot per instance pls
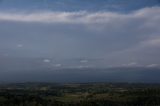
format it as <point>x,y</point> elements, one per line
<point>132,64</point>
<point>57,65</point>
<point>46,60</point>
<point>20,45</point>
<point>80,17</point>
<point>152,65</point>
<point>144,52</point>
<point>110,37</point>
<point>84,61</point>
<point>152,42</point>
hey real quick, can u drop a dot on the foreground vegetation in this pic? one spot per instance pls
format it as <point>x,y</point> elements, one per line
<point>88,94</point>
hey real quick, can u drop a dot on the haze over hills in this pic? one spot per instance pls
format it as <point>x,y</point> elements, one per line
<point>22,72</point>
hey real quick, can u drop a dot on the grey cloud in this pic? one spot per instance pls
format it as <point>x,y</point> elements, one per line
<point>116,38</point>
<point>79,17</point>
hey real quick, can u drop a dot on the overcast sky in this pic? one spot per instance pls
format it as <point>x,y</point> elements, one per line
<point>79,33</point>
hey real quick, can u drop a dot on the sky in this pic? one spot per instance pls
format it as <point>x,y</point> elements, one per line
<point>68,34</point>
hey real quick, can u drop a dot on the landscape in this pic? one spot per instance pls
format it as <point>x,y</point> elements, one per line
<point>79,52</point>
<point>79,94</point>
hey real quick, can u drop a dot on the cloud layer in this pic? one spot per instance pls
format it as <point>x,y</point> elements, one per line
<point>150,14</point>
<point>116,38</point>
